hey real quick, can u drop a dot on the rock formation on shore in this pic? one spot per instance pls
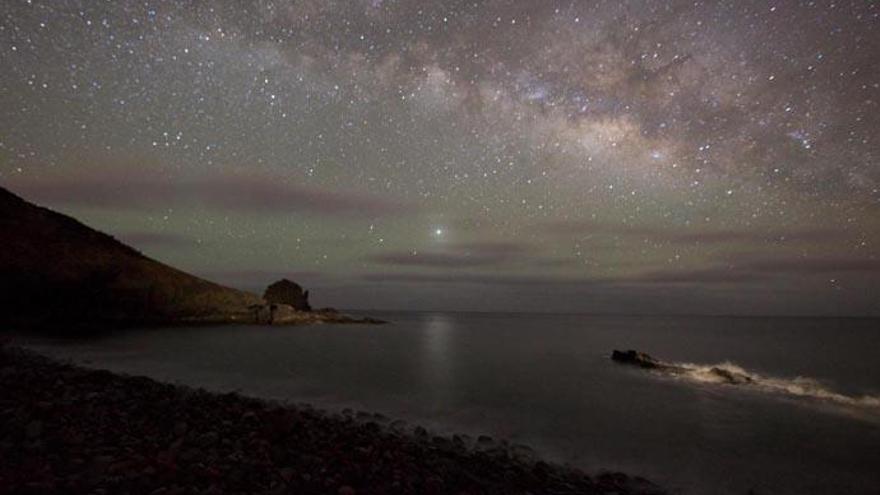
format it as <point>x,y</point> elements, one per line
<point>290,293</point>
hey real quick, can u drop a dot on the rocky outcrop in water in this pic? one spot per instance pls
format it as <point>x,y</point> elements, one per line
<point>643,360</point>
<point>635,358</point>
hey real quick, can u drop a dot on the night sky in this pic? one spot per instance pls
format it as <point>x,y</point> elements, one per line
<point>590,156</point>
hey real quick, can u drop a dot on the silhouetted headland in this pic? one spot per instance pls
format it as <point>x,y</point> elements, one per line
<point>58,274</point>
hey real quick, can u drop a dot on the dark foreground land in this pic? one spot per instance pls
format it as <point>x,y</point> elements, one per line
<point>67,429</point>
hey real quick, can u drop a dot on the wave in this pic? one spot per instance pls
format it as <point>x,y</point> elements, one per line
<point>728,373</point>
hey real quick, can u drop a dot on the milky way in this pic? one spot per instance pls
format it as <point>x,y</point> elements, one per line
<point>685,157</point>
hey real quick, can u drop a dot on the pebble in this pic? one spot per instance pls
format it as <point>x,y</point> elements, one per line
<point>34,429</point>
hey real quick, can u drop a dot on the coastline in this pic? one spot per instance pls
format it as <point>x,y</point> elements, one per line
<point>87,327</point>
<point>71,429</point>
<point>294,318</point>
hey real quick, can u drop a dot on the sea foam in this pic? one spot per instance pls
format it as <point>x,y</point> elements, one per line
<point>798,386</point>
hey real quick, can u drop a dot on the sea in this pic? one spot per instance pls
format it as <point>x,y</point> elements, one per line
<point>806,420</point>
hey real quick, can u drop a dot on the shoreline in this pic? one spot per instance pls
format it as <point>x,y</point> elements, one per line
<point>73,429</point>
<point>94,327</point>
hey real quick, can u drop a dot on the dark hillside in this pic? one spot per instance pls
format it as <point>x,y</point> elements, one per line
<point>54,269</point>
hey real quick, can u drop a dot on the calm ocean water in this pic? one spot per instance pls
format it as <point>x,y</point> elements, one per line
<point>809,424</point>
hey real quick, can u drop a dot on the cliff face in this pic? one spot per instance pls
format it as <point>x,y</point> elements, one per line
<point>54,269</point>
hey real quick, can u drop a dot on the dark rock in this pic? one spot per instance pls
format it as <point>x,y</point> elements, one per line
<point>287,292</point>
<point>636,358</point>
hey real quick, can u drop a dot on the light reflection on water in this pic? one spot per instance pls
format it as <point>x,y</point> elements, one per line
<point>437,372</point>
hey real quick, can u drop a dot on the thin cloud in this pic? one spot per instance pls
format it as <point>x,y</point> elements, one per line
<point>815,266</point>
<point>480,279</point>
<point>463,255</point>
<point>749,269</point>
<point>679,235</point>
<point>435,259</point>
<point>245,194</point>
<point>713,275</point>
